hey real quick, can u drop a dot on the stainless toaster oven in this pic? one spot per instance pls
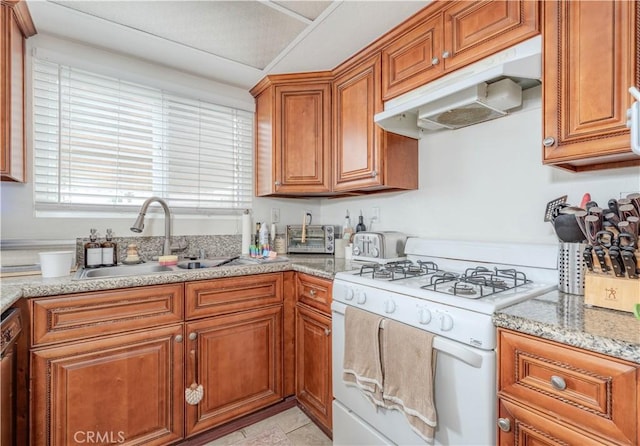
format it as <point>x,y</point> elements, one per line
<point>318,239</point>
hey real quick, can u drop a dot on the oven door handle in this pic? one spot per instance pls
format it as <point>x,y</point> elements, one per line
<point>458,351</point>
<point>453,348</point>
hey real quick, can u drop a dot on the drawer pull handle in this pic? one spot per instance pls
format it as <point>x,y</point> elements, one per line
<point>504,424</point>
<point>327,332</point>
<point>312,292</point>
<point>558,383</point>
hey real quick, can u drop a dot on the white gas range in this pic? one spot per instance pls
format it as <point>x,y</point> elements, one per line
<point>451,289</point>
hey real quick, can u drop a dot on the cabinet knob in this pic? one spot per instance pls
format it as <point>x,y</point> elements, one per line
<point>548,141</point>
<point>179,338</point>
<point>193,336</point>
<point>446,55</point>
<point>504,424</point>
<point>327,331</point>
<point>435,61</point>
<point>374,174</point>
<point>277,183</point>
<point>312,292</point>
<point>558,382</point>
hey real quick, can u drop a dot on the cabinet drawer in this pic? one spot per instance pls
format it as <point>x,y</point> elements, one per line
<point>222,296</point>
<point>529,427</point>
<point>315,292</point>
<point>595,393</point>
<point>80,316</point>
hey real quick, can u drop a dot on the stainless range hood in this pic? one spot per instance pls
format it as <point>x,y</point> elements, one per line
<point>484,90</point>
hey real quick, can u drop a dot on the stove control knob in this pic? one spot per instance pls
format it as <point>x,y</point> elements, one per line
<point>424,316</point>
<point>361,297</point>
<point>446,322</point>
<point>348,294</point>
<point>389,306</point>
<point>375,252</point>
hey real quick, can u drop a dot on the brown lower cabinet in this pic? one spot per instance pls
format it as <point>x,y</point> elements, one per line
<point>237,359</point>
<point>554,394</point>
<point>112,366</point>
<point>313,348</point>
<point>122,389</point>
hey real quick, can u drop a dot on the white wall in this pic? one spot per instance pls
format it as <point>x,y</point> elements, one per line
<point>486,182</point>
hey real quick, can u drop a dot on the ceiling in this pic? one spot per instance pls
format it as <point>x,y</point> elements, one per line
<point>234,42</point>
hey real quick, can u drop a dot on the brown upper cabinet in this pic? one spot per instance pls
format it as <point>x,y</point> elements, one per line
<point>15,27</point>
<point>591,56</point>
<point>450,35</point>
<point>293,134</point>
<point>366,158</point>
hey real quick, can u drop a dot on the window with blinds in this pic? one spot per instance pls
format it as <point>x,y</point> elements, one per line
<point>103,144</point>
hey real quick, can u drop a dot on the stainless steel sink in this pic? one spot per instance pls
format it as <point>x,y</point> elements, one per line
<point>151,268</point>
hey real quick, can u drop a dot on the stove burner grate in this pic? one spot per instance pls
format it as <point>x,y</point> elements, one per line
<point>401,269</point>
<point>477,282</point>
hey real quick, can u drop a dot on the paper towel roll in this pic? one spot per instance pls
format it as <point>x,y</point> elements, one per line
<point>246,232</point>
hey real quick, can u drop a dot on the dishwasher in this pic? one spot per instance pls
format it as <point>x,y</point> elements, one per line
<point>10,328</point>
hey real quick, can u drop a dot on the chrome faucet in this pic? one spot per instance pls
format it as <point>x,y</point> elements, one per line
<point>139,224</point>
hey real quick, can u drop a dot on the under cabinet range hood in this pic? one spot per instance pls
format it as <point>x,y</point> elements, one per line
<point>484,90</point>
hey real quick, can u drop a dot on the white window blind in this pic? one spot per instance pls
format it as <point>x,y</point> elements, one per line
<point>103,144</point>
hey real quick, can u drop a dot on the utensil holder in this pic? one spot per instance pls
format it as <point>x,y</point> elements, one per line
<point>571,268</point>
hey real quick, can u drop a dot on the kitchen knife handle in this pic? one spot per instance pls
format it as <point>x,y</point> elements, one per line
<point>627,210</point>
<point>616,261</point>
<point>612,217</point>
<point>605,238</point>
<point>627,240</point>
<point>634,226</point>
<point>635,200</point>
<point>629,262</point>
<point>587,255</point>
<point>592,226</point>
<point>600,255</point>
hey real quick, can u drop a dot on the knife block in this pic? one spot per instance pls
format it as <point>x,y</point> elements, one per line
<point>608,291</point>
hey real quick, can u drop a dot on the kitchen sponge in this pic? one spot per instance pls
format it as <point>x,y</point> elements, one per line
<point>168,260</point>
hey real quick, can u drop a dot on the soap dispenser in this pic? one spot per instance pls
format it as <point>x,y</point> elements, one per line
<point>109,250</point>
<point>92,251</point>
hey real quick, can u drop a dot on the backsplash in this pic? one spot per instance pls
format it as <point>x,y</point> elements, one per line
<point>150,247</point>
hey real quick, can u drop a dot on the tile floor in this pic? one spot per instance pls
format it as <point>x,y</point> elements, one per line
<point>289,428</point>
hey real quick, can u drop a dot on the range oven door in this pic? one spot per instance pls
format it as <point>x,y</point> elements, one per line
<point>465,398</point>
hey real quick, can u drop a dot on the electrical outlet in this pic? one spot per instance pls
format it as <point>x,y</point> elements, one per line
<point>275,215</point>
<point>375,214</point>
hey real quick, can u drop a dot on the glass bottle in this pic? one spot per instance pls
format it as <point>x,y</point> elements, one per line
<point>360,226</point>
<point>92,251</point>
<point>109,250</point>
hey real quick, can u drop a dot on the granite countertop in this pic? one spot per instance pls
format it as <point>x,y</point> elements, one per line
<point>566,319</point>
<point>14,288</point>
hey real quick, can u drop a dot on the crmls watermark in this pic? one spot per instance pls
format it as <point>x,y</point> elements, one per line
<point>93,437</point>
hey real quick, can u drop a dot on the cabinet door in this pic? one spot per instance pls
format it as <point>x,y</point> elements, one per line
<point>356,98</point>
<point>238,361</point>
<point>413,59</point>
<point>313,363</point>
<point>522,426</point>
<point>303,138</point>
<point>12,166</point>
<point>124,389</point>
<point>473,30</point>
<point>590,60</point>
